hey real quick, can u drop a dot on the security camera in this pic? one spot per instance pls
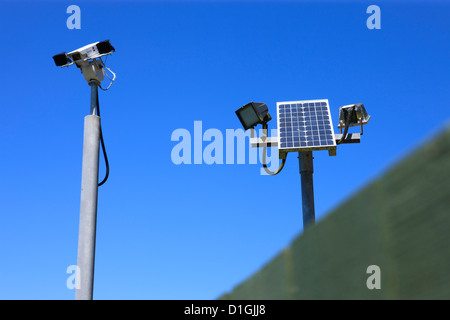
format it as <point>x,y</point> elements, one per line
<point>86,53</point>
<point>88,59</point>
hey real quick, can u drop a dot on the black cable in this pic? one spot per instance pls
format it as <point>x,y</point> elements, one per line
<point>347,124</point>
<point>103,148</point>
<point>283,161</point>
<point>272,173</point>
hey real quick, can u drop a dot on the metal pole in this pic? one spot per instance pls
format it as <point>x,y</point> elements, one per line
<point>306,173</point>
<point>88,202</point>
<point>94,96</point>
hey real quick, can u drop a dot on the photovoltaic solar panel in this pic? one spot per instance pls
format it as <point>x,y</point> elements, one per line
<point>305,126</point>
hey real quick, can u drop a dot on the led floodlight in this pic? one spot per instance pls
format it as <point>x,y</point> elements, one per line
<point>252,114</point>
<point>358,115</point>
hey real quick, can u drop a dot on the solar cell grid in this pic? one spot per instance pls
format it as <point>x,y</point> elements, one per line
<point>305,125</point>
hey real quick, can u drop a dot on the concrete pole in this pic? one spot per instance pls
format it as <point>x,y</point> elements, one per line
<point>88,202</point>
<point>306,173</point>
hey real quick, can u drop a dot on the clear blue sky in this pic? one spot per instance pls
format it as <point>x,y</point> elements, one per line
<point>169,231</point>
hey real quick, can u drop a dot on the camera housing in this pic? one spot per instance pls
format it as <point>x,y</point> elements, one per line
<point>87,58</point>
<point>86,53</point>
<point>93,70</point>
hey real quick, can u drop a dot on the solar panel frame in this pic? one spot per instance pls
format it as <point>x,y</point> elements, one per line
<point>311,126</point>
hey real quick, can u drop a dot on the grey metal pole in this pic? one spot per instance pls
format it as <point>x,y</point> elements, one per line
<point>88,202</point>
<point>306,173</point>
<point>94,96</point>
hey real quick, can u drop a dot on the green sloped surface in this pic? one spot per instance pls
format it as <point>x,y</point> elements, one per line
<point>400,222</point>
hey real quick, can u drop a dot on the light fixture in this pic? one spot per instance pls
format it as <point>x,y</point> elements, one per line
<point>353,115</point>
<point>252,114</point>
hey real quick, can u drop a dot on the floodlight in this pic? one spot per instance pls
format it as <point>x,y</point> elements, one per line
<point>252,114</point>
<point>358,115</point>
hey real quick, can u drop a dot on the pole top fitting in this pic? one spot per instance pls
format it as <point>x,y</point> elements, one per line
<point>94,82</point>
<point>306,161</point>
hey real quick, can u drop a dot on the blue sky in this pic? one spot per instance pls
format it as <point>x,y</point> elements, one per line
<point>167,231</point>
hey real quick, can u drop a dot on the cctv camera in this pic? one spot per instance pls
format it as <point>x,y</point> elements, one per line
<point>87,59</point>
<point>86,53</point>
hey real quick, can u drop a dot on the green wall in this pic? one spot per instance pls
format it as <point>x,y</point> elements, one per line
<point>400,222</point>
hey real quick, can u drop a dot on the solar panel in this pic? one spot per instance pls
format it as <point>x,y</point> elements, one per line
<point>305,126</point>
